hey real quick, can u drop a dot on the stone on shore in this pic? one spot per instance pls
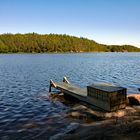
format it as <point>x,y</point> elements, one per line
<point>122,124</point>
<point>134,99</point>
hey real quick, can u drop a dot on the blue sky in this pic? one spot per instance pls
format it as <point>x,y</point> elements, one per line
<point>105,21</point>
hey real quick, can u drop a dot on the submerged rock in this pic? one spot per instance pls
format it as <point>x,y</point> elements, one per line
<point>69,129</point>
<point>85,112</point>
<point>112,129</point>
<point>121,124</point>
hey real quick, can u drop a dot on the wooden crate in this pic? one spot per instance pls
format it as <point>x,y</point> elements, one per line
<point>107,96</point>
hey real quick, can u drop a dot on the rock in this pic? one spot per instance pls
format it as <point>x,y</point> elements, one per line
<point>57,97</point>
<point>77,115</point>
<point>134,99</point>
<point>125,128</point>
<point>69,129</point>
<point>121,124</point>
<point>79,107</point>
<point>137,108</point>
<point>85,113</point>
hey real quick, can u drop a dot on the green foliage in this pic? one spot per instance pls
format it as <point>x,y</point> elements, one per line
<point>32,42</point>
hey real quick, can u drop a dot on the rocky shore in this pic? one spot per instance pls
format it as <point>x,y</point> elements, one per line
<point>95,124</point>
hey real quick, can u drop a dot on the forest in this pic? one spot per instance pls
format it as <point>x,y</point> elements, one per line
<point>38,43</point>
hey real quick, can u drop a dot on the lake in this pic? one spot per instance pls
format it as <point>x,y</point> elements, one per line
<point>26,111</point>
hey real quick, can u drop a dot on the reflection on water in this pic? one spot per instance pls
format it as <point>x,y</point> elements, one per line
<point>26,112</point>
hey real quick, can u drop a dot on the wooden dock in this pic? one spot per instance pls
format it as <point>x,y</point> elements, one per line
<point>67,88</point>
<point>104,99</point>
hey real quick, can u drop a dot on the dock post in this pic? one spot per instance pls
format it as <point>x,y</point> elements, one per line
<point>65,80</point>
<point>50,87</point>
<point>52,84</point>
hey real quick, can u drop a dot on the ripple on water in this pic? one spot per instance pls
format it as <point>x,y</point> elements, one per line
<point>26,111</point>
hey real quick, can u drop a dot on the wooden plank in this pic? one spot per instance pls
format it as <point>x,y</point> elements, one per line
<point>71,89</point>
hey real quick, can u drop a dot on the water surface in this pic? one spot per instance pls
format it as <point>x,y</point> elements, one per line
<point>26,112</point>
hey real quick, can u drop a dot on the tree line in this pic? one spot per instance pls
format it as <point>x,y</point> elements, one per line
<point>37,43</point>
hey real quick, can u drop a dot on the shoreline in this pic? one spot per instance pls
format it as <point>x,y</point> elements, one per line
<point>34,53</point>
<point>122,124</point>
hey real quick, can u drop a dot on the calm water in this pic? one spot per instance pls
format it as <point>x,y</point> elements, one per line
<point>25,110</point>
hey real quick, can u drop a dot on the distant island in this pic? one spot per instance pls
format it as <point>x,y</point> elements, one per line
<point>38,43</point>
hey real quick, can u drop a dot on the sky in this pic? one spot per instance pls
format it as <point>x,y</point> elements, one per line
<point>105,21</point>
